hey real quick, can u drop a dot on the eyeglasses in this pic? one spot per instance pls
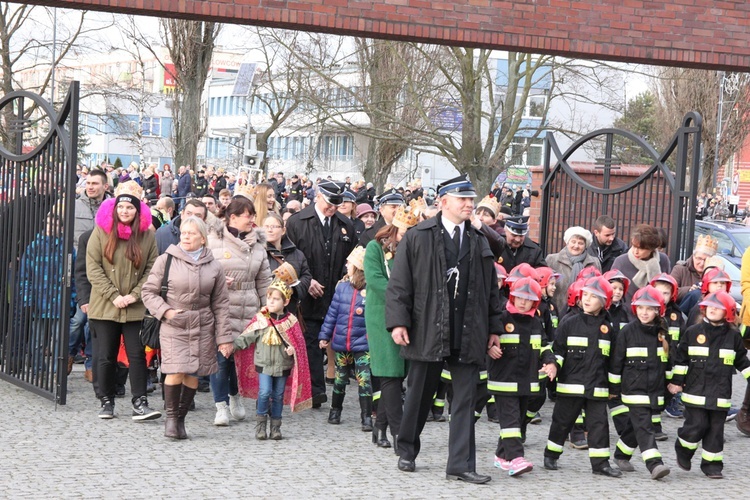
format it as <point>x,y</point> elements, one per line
<point>271,227</point>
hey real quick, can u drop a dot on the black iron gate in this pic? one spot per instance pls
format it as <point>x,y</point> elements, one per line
<point>659,196</point>
<point>37,196</point>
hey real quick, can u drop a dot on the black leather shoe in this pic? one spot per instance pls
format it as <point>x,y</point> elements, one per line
<point>683,463</point>
<point>607,471</point>
<point>405,465</point>
<point>319,399</point>
<point>550,463</point>
<point>469,477</point>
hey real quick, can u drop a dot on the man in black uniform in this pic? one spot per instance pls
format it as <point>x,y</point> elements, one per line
<point>444,306</point>
<point>607,247</point>
<point>200,188</point>
<point>326,238</point>
<point>388,203</point>
<point>519,248</point>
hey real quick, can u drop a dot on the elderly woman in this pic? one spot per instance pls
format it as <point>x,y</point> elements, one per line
<point>688,273</point>
<point>241,250</point>
<point>642,261</point>
<point>571,260</point>
<point>194,316</point>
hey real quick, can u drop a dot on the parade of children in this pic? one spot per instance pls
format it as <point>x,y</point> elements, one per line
<point>586,352</point>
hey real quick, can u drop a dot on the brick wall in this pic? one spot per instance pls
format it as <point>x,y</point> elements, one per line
<point>688,33</point>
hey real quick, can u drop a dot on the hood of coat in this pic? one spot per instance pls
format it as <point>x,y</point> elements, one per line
<point>178,253</point>
<point>105,218</point>
<point>217,228</point>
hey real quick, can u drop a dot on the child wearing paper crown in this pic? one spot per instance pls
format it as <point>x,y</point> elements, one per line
<point>279,352</point>
<point>707,355</point>
<point>514,371</point>
<point>344,325</point>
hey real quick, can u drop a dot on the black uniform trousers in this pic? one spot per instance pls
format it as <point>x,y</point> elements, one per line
<point>619,413</point>
<point>639,431</point>
<point>706,426</point>
<point>391,404</point>
<point>511,411</point>
<point>567,409</point>
<point>536,402</point>
<point>315,356</point>
<point>422,383</point>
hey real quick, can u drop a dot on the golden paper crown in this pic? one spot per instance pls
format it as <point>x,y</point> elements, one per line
<point>406,218</point>
<point>279,285</point>
<point>130,188</point>
<point>286,273</point>
<point>707,244</point>
<point>418,206</point>
<point>245,190</point>
<point>357,257</point>
<point>491,204</point>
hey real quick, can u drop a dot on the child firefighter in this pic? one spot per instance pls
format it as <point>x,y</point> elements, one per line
<point>707,355</point>
<point>582,348</point>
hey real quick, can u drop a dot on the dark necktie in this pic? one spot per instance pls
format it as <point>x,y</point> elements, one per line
<point>457,237</point>
<point>327,228</point>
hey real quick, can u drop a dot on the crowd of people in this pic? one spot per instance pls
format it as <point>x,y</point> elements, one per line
<point>276,290</point>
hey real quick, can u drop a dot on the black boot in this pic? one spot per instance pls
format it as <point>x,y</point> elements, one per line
<point>365,405</point>
<point>383,440</point>
<point>172,405</point>
<point>337,401</point>
<point>743,416</point>
<point>187,401</point>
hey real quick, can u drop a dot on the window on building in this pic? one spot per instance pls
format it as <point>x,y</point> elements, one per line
<point>151,126</point>
<point>526,151</point>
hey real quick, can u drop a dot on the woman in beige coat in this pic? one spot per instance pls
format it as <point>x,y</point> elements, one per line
<point>241,251</point>
<point>570,261</point>
<point>195,319</point>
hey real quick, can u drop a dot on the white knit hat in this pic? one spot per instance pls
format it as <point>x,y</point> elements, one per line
<point>578,231</point>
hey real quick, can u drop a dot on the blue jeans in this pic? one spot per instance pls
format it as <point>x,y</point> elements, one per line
<point>79,332</point>
<point>271,388</point>
<point>224,382</point>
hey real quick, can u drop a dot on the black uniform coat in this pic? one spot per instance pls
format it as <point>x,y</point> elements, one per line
<point>305,231</point>
<point>528,252</point>
<point>706,358</point>
<point>417,295</point>
<point>639,365</point>
<point>582,348</point>
<point>607,254</point>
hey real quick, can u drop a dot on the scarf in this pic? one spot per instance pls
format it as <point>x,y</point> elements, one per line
<point>576,261</point>
<point>647,269</point>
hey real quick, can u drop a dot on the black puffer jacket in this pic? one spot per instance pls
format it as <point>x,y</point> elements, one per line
<point>417,296</point>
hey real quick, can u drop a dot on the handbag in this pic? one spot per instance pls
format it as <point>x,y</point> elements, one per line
<point>150,326</point>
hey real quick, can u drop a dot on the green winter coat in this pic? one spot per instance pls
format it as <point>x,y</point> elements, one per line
<point>385,360</point>
<point>120,278</point>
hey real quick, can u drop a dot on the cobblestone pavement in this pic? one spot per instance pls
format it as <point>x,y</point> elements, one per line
<point>69,453</point>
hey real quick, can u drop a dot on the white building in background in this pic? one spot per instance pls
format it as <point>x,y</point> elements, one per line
<point>126,102</point>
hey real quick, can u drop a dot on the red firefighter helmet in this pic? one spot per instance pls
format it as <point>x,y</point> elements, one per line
<point>501,272</point>
<point>715,275</point>
<point>587,272</point>
<point>722,300</point>
<point>522,270</point>
<point>574,292</point>
<point>665,278</point>
<point>546,274</point>
<point>616,275</point>
<point>600,287</point>
<point>526,288</point>
<point>648,296</point>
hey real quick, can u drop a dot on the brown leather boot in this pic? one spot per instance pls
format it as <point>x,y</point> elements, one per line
<point>171,405</point>
<point>89,375</point>
<point>186,401</point>
<point>70,363</point>
<point>743,416</point>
